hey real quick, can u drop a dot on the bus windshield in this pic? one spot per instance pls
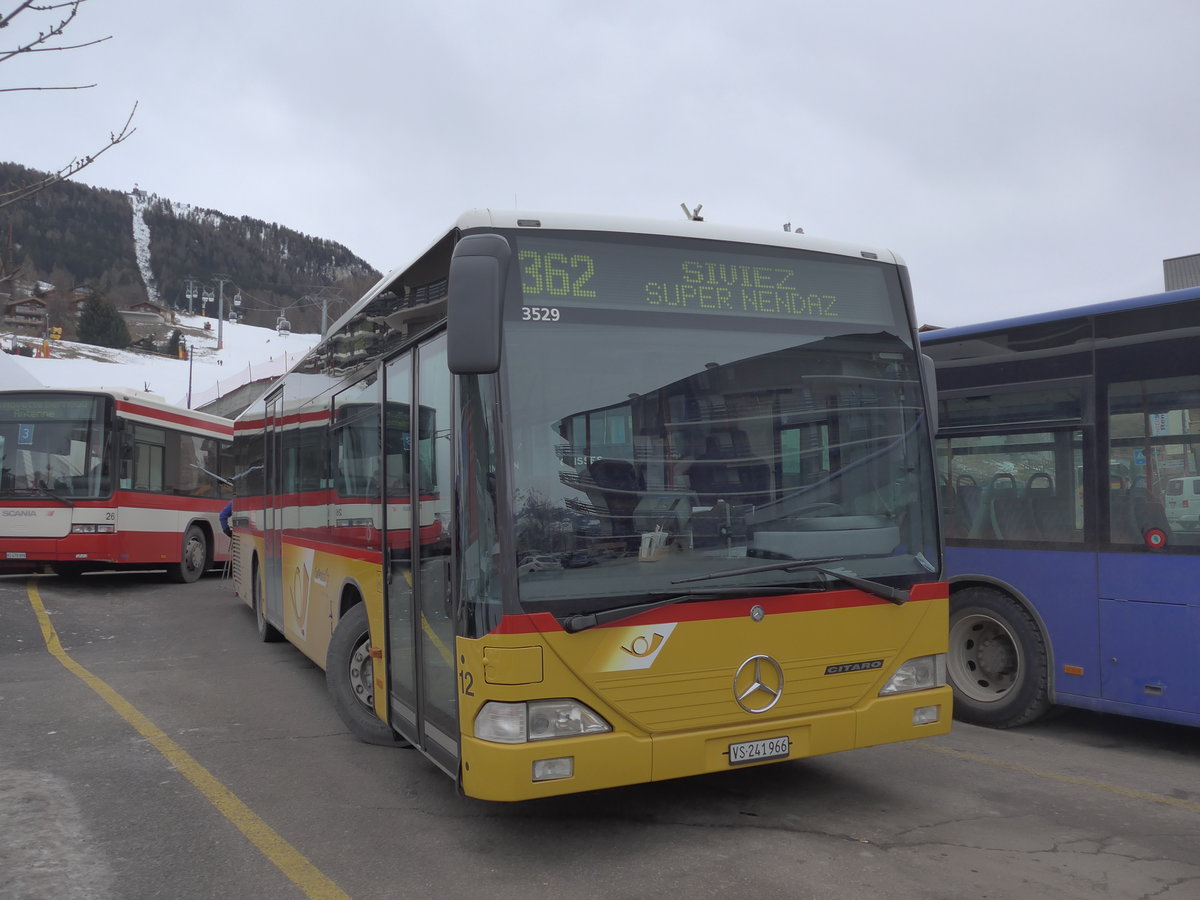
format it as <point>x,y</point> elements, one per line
<point>677,413</point>
<point>54,445</point>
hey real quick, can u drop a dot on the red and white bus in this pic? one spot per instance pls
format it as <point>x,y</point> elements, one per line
<point>110,478</point>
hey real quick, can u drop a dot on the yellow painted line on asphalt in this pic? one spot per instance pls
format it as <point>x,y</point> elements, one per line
<point>1119,789</point>
<point>437,642</point>
<point>287,858</point>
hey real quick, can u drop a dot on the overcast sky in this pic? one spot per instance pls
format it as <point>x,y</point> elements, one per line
<point>1021,155</point>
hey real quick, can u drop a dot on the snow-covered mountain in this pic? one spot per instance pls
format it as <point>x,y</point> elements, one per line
<point>137,246</point>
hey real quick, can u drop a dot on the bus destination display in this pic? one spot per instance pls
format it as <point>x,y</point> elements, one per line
<point>579,274</point>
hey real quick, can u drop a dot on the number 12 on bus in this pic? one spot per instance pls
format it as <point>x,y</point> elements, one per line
<point>616,541</point>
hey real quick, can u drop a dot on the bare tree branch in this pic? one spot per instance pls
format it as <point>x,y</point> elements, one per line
<point>43,36</point>
<point>72,87</point>
<point>74,167</point>
<point>42,44</point>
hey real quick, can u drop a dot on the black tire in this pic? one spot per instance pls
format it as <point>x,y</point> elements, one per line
<point>194,559</point>
<point>68,571</point>
<point>997,662</point>
<point>267,633</point>
<point>349,676</point>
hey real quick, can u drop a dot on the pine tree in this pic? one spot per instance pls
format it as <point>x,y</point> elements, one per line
<point>100,324</point>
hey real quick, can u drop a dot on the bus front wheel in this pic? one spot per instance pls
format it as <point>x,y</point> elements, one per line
<point>350,678</point>
<point>194,559</point>
<point>997,661</point>
<point>267,633</point>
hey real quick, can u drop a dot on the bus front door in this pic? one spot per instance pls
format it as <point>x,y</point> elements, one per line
<point>417,470</point>
<point>272,519</point>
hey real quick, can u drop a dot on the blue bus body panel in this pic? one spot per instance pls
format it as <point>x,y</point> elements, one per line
<point>1061,588</point>
<point>1149,654</point>
<point>1150,577</point>
<point>1129,621</point>
<point>1150,630</point>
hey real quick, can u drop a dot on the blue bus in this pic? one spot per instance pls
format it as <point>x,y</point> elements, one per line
<point>1068,455</point>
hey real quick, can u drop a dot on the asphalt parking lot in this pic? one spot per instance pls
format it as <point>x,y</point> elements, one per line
<point>154,748</point>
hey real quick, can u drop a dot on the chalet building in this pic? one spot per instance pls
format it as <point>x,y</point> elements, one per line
<point>26,316</point>
<point>146,313</point>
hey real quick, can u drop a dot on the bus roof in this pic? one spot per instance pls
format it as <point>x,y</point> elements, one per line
<point>531,220</point>
<point>1077,312</point>
<point>685,228</point>
<point>124,395</point>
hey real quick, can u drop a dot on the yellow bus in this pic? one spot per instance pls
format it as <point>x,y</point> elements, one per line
<point>666,506</point>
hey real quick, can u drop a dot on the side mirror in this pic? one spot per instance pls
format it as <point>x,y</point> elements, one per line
<point>475,308</point>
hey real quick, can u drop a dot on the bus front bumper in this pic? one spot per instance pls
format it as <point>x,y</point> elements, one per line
<point>506,772</point>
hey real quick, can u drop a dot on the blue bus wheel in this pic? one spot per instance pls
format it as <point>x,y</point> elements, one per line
<point>996,661</point>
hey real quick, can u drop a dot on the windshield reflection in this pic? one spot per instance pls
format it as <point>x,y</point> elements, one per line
<point>61,449</point>
<point>680,461</point>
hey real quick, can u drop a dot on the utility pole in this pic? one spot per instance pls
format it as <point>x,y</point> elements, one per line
<point>191,290</point>
<point>220,280</point>
<point>324,295</point>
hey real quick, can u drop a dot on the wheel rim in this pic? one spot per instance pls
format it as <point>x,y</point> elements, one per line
<point>193,553</point>
<point>985,659</point>
<point>362,674</point>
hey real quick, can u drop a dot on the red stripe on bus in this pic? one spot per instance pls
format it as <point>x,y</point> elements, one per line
<point>258,422</point>
<point>343,551</point>
<point>178,418</point>
<point>127,499</point>
<point>534,623</point>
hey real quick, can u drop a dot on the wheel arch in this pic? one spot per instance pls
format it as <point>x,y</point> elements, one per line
<point>352,594</point>
<point>961,582</point>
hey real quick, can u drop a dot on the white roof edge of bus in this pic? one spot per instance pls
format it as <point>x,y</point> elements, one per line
<point>713,231</point>
<point>705,229</point>
<point>127,393</point>
<point>484,217</point>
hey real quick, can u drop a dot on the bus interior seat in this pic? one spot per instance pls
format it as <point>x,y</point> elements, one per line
<point>1148,513</point>
<point>960,505</point>
<point>1133,513</point>
<point>1122,528</point>
<point>969,496</point>
<point>1007,510</point>
<point>1049,513</point>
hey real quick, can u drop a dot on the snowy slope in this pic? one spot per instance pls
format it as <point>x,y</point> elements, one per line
<point>249,353</point>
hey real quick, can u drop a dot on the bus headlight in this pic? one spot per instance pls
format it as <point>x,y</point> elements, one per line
<point>93,529</point>
<point>918,674</point>
<point>536,720</point>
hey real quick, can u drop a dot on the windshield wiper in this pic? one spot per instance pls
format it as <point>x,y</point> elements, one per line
<point>49,493</point>
<point>874,588</point>
<point>583,621</point>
